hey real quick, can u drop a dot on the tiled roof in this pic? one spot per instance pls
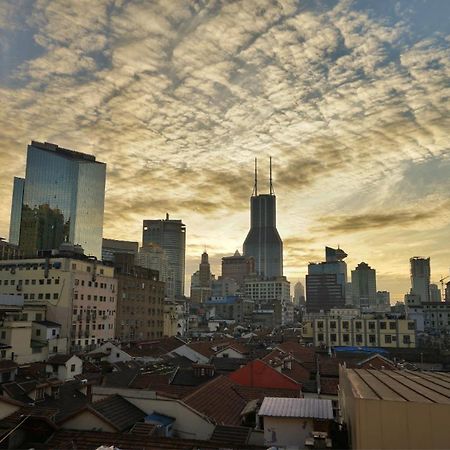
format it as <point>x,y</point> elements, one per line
<point>204,348</point>
<point>231,435</point>
<point>218,400</point>
<point>48,323</point>
<point>155,349</point>
<point>59,359</point>
<point>144,429</point>
<point>297,407</point>
<point>190,377</point>
<point>120,412</point>
<point>301,353</point>
<point>252,393</point>
<point>147,380</point>
<point>226,365</point>
<point>329,386</point>
<point>91,440</point>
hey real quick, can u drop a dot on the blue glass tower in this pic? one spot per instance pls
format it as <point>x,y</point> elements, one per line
<point>263,242</point>
<point>60,200</point>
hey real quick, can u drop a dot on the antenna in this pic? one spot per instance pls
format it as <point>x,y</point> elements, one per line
<point>272,192</point>
<point>255,187</point>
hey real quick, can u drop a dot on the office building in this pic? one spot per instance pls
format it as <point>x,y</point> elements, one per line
<point>223,287</point>
<point>237,267</point>
<point>170,235</point>
<point>61,199</point>
<point>364,286</point>
<point>420,278</point>
<point>383,300</point>
<point>265,292</point>
<point>112,246</point>
<point>79,293</point>
<point>299,294</point>
<point>201,281</point>
<point>435,293</point>
<point>140,300</point>
<point>326,282</point>
<point>152,256</point>
<point>263,242</point>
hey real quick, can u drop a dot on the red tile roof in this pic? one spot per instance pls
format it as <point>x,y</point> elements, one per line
<point>218,400</point>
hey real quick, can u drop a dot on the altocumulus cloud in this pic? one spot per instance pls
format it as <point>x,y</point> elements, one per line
<point>178,98</point>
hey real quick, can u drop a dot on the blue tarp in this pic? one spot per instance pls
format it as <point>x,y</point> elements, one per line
<point>159,418</point>
<point>361,350</point>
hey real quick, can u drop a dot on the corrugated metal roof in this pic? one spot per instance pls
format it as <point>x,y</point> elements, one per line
<point>400,385</point>
<point>297,407</point>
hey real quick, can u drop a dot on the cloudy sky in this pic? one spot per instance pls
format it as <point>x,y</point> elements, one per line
<point>351,98</point>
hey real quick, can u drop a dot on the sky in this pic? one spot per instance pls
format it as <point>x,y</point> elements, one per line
<point>350,98</point>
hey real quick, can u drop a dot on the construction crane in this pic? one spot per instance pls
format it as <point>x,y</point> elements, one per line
<point>442,287</point>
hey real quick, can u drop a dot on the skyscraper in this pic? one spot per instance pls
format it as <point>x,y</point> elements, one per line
<point>170,235</point>
<point>326,282</point>
<point>420,278</point>
<point>263,241</point>
<point>61,199</point>
<point>364,286</point>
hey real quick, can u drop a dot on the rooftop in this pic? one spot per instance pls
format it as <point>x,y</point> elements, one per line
<point>400,385</point>
<point>297,407</point>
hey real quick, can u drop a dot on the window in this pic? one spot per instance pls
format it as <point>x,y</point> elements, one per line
<point>40,296</point>
<point>345,325</point>
<point>406,339</point>
<point>387,339</point>
<point>358,325</point>
<point>3,335</point>
<point>371,325</point>
<point>49,281</point>
<point>41,281</point>
<point>346,338</point>
<point>320,324</point>
<point>47,296</point>
<point>359,338</point>
<point>38,332</point>
<point>74,267</point>
<point>382,325</point>
<point>411,326</point>
<point>56,280</point>
<point>320,337</point>
<point>72,367</point>
<point>55,296</point>
<point>333,337</point>
<point>332,324</point>
<point>372,338</point>
<point>55,349</point>
<point>392,325</point>
<point>54,332</point>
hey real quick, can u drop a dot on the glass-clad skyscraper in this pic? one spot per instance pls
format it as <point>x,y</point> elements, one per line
<point>170,235</point>
<point>60,200</point>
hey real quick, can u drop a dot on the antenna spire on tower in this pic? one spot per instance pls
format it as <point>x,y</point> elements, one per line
<point>272,192</point>
<point>255,187</point>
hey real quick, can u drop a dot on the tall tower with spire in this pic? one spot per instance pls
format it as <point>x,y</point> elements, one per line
<point>263,242</point>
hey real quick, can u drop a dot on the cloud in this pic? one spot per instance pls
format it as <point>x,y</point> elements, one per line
<point>178,98</point>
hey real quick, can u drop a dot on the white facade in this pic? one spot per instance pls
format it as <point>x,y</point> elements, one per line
<point>264,292</point>
<point>66,370</point>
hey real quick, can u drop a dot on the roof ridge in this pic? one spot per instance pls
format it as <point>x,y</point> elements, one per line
<point>205,385</point>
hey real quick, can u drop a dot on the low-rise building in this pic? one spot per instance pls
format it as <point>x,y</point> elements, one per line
<point>64,367</point>
<point>237,308</point>
<point>395,409</point>
<point>295,422</point>
<point>363,331</point>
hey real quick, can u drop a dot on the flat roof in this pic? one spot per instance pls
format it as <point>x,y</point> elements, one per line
<point>297,407</point>
<point>400,385</point>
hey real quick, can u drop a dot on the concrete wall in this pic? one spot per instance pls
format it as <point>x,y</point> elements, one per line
<point>188,424</point>
<point>285,431</point>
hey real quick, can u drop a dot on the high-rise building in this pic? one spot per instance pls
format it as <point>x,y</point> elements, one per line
<point>435,293</point>
<point>237,267</point>
<point>326,282</point>
<point>61,199</point>
<point>170,235</point>
<point>152,256</point>
<point>364,286</point>
<point>420,278</point>
<point>383,300</point>
<point>299,294</point>
<point>201,281</point>
<point>263,242</point>
<point>110,247</point>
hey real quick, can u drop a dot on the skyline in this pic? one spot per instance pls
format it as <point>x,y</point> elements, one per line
<point>178,99</point>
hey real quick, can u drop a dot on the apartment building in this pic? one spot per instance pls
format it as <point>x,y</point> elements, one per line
<point>140,311</point>
<point>79,294</point>
<point>362,331</point>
